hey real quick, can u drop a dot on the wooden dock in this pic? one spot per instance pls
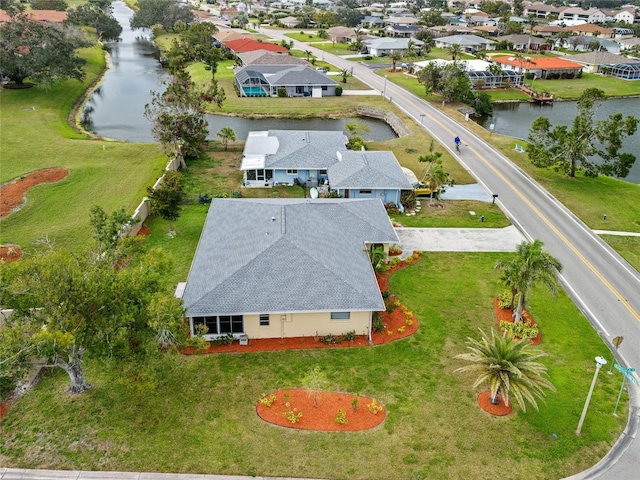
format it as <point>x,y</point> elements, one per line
<point>536,96</point>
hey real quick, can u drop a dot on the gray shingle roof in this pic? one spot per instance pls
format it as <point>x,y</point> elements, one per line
<point>374,170</point>
<point>287,255</point>
<point>300,149</point>
<point>602,58</point>
<point>264,57</point>
<point>285,75</point>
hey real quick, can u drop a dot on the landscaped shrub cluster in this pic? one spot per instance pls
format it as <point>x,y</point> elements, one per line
<point>341,418</point>
<point>337,339</point>
<point>377,324</point>
<point>293,415</point>
<point>226,339</point>
<point>374,407</point>
<point>268,399</point>
<point>525,328</point>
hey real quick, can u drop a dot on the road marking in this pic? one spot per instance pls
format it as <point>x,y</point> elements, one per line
<point>566,241</point>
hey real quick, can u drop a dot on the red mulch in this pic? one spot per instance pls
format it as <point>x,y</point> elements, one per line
<point>393,321</point>
<point>506,314</point>
<point>13,193</point>
<point>143,231</point>
<point>322,417</point>
<point>10,253</point>
<point>3,410</point>
<point>500,410</point>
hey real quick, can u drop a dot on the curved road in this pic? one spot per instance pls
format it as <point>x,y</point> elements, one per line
<point>603,285</point>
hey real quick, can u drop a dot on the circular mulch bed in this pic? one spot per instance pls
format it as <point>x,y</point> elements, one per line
<point>500,410</point>
<point>13,192</point>
<point>506,314</point>
<point>323,417</point>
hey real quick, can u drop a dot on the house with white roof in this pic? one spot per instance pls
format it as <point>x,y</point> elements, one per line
<point>380,47</point>
<point>276,268</point>
<point>467,42</point>
<point>591,15</point>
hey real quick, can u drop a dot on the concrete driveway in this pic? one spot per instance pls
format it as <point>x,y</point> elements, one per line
<point>459,239</point>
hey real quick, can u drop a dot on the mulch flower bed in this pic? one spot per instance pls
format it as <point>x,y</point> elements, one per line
<point>506,314</point>
<point>323,417</point>
<point>13,193</point>
<point>500,410</point>
<point>10,253</point>
<point>396,327</point>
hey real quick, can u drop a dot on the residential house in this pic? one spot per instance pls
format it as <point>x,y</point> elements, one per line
<point>525,42</point>
<point>547,30</point>
<point>297,80</point>
<point>629,43</point>
<point>609,64</point>
<point>466,42</point>
<point>402,31</point>
<point>479,74</point>
<point>540,67</point>
<point>590,30</point>
<point>581,43</point>
<point>368,174</point>
<point>276,268</point>
<point>541,10</point>
<point>447,30</point>
<point>623,15</point>
<point>591,15</point>
<point>288,157</point>
<point>380,47</point>
<point>249,45</point>
<point>342,34</point>
<point>263,57</point>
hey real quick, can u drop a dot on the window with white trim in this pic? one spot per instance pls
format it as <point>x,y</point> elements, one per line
<point>340,315</point>
<point>264,319</point>
<point>365,192</point>
<point>220,325</point>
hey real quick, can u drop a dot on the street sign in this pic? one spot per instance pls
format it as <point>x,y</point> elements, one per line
<point>617,341</point>
<point>627,372</point>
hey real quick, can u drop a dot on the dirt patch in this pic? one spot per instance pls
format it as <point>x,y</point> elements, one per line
<point>10,253</point>
<point>323,417</point>
<point>13,194</point>
<point>500,410</point>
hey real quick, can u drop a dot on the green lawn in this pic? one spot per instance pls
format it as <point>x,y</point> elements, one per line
<point>573,88</point>
<point>148,418</point>
<point>35,135</point>
<point>454,214</point>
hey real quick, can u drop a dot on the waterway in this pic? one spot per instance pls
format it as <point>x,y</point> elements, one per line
<point>515,119</point>
<point>116,108</point>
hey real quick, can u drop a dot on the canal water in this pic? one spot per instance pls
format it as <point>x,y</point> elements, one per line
<point>116,109</point>
<point>515,119</point>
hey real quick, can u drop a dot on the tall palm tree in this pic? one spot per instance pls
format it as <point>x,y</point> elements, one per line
<point>345,73</point>
<point>227,135</point>
<point>454,50</point>
<point>395,57</point>
<point>308,53</point>
<point>508,366</point>
<point>530,266</point>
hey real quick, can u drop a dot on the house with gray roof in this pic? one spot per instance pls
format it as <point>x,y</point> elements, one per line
<point>380,47</point>
<point>264,57</point>
<point>466,42</point>
<point>297,81</point>
<point>368,174</point>
<point>525,42</point>
<point>288,157</point>
<point>275,268</point>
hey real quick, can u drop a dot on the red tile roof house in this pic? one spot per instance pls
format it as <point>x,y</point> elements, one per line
<point>47,16</point>
<point>249,45</point>
<point>541,67</point>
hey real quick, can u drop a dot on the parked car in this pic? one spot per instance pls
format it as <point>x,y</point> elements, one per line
<point>421,190</point>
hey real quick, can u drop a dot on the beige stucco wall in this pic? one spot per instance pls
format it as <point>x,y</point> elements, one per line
<point>306,325</point>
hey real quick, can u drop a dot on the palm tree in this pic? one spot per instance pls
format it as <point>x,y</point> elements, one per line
<point>308,54</point>
<point>395,57</point>
<point>435,177</point>
<point>455,50</point>
<point>227,135</point>
<point>345,73</point>
<point>530,266</point>
<point>509,367</point>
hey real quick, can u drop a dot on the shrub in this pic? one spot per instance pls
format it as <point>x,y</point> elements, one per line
<point>378,325</point>
<point>341,418</point>
<point>401,329</point>
<point>292,415</point>
<point>331,339</point>
<point>523,329</point>
<point>355,402</point>
<point>395,248</point>
<point>385,294</point>
<point>394,262</point>
<point>282,92</point>
<point>268,399</point>
<point>349,336</point>
<point>374,407</point>
<point>390,305</point>
<point>338,91</point>
<point>504,299</point>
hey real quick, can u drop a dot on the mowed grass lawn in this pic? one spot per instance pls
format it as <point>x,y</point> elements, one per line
<point>196,414</point>
<point>35,135</point>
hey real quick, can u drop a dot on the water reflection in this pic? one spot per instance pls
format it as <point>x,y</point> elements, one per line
<point>116,109</point>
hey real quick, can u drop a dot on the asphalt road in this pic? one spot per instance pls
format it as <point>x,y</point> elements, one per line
<point>603,285</point>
